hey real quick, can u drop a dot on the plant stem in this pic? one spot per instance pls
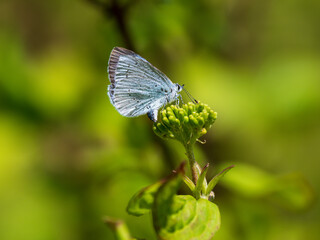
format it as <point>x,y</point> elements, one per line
<point>192,162</point>
<point>119,228</point>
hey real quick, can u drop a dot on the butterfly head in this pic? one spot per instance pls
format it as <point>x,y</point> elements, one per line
<point>179,87</point>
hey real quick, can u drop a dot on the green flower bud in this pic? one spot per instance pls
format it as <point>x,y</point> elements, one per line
<point>172,121</point>
<point>166,122</point>
<point>157,130</point>
<point>204,115</point>
<point>161,127</point>
<point>185,119</point>
<point>200,107</point>
<point>163,113</point>
<point>200,121</point>
<point>203,131</point>
<point>193,121</point>
<point>186,123</point>
<point>181,114</point>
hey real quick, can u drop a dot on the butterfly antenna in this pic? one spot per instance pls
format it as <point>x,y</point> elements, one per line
<point>189,95</point>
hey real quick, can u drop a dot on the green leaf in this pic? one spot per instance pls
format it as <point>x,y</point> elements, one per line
<point>291,191</point>
<point>216,179</point>
<point>250,181</point>
<point>182,216</point>
<point>189,183</point>
<point>142,201</point>
<point>187,219</point>
<point>201,182</point>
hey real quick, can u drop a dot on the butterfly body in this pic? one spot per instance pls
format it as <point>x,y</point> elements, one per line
<point>137,87</point>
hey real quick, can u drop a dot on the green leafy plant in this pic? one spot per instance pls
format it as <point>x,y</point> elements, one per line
<point>181,217</point>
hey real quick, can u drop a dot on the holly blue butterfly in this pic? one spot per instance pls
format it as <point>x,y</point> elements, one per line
<point>137,87</point>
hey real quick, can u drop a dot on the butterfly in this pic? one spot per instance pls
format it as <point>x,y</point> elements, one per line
<point>137,87</point>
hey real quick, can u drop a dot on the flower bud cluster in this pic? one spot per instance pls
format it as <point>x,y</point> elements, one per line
<point>185,124</point>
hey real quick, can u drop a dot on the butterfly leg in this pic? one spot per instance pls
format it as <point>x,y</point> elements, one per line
<point>181,99</point>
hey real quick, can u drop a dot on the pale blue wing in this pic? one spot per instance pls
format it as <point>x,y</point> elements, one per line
<point>124,63</point>
<point>136,87</point>
<point>136,104</point>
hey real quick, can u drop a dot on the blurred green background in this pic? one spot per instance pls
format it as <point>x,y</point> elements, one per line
<point>67,157</point>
